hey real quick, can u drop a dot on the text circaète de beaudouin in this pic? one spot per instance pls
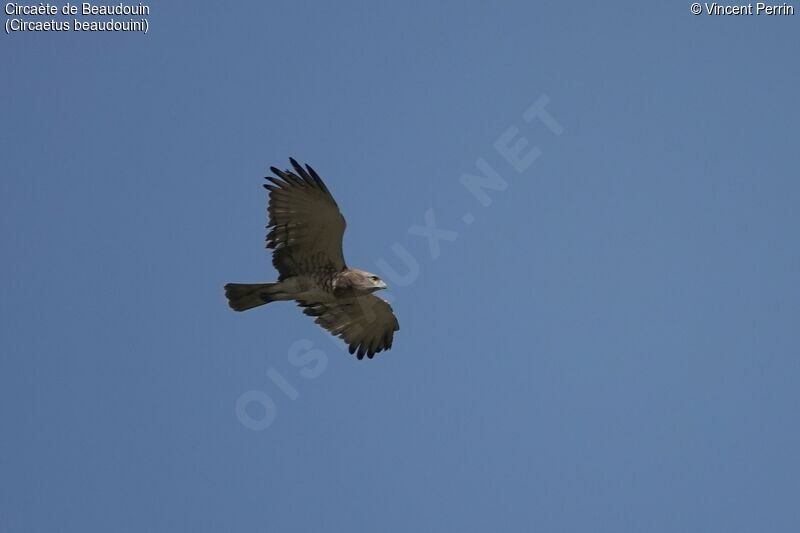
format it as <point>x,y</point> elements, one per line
<point>84,8</point>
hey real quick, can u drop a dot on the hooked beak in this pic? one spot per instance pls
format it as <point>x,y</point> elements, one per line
<point>381,285</point>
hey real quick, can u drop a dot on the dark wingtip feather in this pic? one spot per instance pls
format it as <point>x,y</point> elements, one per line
<point>301,171</point>
<point>317,179</point>
<point>287,179</point>
<point>276,181</point>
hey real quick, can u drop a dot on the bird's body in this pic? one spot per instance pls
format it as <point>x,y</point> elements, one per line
<point>305,233</point>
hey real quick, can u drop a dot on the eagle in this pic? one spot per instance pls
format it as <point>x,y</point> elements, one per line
<point>305,232</point>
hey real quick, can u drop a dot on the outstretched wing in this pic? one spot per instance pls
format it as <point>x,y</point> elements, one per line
<point>305,224</point>
<point>366,323</point>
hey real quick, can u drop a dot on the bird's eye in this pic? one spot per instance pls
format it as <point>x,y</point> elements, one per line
<point>374,278</point>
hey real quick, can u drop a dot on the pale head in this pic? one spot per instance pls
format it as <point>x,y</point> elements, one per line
<point>358,281</point>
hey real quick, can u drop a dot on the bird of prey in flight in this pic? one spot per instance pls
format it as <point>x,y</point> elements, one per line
<point>305,233</point>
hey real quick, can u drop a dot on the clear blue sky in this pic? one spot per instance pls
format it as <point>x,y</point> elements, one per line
<point>611,345</point>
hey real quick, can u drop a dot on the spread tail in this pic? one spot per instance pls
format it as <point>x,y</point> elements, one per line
<point>244,296</point>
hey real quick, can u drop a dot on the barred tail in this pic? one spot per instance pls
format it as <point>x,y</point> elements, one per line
<point>244,296</point>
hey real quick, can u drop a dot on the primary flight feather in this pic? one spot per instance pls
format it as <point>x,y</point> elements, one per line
<point>305,233</point>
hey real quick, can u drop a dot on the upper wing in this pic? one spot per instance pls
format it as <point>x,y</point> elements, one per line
<point>305,224</point>
<point>365,323</point>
